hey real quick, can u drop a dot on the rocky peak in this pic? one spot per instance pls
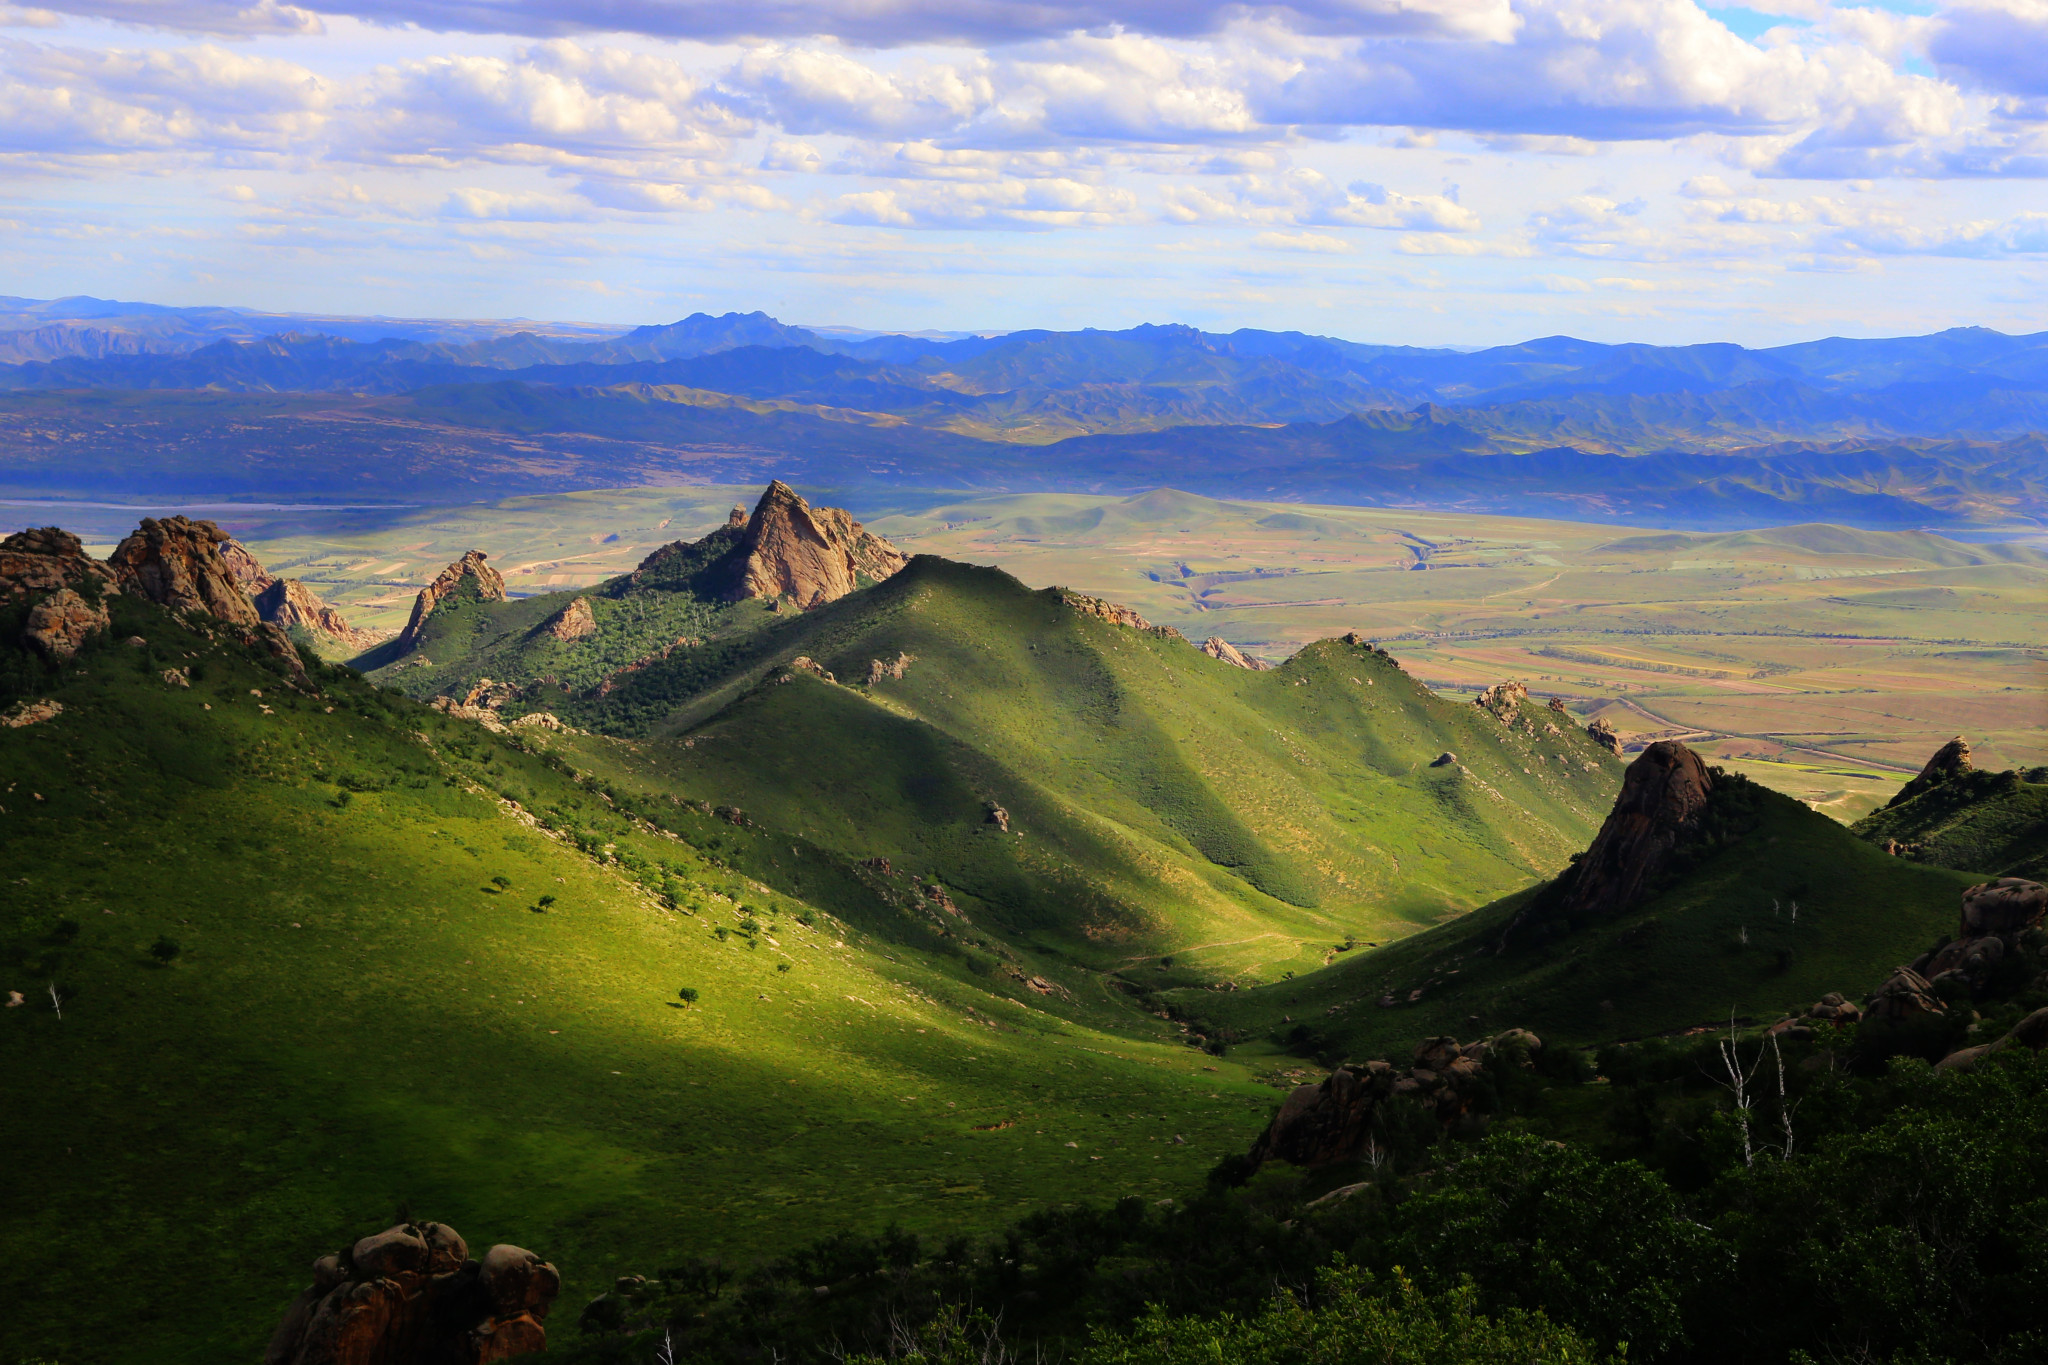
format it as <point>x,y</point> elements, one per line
<point>1663,795</point>
<point>490,586</point>
<point>246,568</point>
<point>45,559</point>
<point>1502,701</point>
<point>1950,761</point>
<point>737,518</point>
<point>176,563</point>
<point>810,555</point>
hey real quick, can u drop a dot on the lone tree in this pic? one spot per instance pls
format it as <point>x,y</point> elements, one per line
<point>688,995</point>
<point>165,949</point>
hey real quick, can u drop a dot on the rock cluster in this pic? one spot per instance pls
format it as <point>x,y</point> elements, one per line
<point>809,555</point>
<point>573,622</point>
<point>411,1295</point>
<point>877,670</point>
<point>1331,1122</point>
<point>1949,761</point>
<point>26,713</point>
<point>1216,647</point>
<point>489,584</point>
<point>1602,734</point>
<point>1114,613</point>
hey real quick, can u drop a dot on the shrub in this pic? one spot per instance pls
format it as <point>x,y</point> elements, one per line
<point>165,949</point>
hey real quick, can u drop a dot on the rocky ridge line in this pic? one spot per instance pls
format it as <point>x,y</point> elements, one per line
<point>490,587</point>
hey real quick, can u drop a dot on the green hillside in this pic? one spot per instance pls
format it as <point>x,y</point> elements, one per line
<point>1716,935</point>
<point>314,964</point>
<point>1995,823</point>
<point>1160,802</point>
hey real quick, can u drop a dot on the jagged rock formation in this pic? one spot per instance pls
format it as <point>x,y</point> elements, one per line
<point>490,587</point>
<point>45,559</point>
<point>1557,705</point>
<point>1602,734</point>
<point>999,817</point>
<point>809,665</point>
<point>61,623</point>
<point>573,622</point>
<point>810,555</point>
<point>176,563</point>
<point>1950,761</point>
<point>737,518</point>
<point>287,603</point>
<point>1503,701</point>
<point>1216,647</point>
<point>411,1295</point>
<point>1663,795</point>
<point>1331,1122</point>
<point>877,670</point>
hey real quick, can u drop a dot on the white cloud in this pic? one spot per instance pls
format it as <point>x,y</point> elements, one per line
<point>1307,197</point>
<point>1035,205</point>
<point>1318,243</point>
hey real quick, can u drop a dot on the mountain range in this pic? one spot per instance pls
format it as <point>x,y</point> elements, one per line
<point>1936,430</point>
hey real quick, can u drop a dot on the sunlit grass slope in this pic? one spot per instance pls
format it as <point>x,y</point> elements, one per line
<point>367,1011</point>
<point>1159,801</point>
<point>1721,937</point>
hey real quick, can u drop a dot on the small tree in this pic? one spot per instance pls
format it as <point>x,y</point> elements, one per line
<point>688,995</point>
<point>165,949</point>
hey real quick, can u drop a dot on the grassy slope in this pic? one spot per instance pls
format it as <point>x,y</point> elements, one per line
<point>1994,823</point>
<point>1677,960</point>
<point>356,1021</point>
<point>1160,801</point>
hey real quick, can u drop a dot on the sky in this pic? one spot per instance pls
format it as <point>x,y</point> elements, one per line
<point>1430,172</point>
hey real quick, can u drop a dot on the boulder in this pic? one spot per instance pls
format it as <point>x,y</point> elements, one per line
<point>60,624</point>
<point>1602,734</point>
<point>469,570</point>
<point>999,817</point>
<point>1949,761</point>
<point>176,563</point>
<point>2006,907</point>
<point>1905,995</point>
<point>573,622</point>
<point>809,555</point>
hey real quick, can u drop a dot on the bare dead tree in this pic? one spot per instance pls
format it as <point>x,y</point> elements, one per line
<point>1785,1105</point>
<point>56,1000</point>
<point>1737,1084</point>
<point>665,1354</point>
<point>1375,1155</point>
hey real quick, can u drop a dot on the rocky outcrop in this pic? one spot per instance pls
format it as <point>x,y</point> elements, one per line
<point>737,518</point>
<point>1113,612</point>
<point>999,817</point>
<point>1557,705</point>
<point>1663,795</point>
<point>877,670</point>
<point>808,555</point>
<point>26,713</point>
<point>1332,1122</point>
<point>46,559</point>
<point>1602,734</point>
<point>573,622</point>
<point>287,602</point>
<point>60,624</point>
<point>176,563</point>
<point>469,570</point>
<point>1216,647</point>
<point>1950,761</point>
<point>1995,919</point>
<point>1503,701</point>
<point>412,1295</point>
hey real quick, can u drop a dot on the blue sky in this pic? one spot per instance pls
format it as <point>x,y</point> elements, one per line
<point>1424,171</point>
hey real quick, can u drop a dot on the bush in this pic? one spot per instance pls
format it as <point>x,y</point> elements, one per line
<point>165,949</point>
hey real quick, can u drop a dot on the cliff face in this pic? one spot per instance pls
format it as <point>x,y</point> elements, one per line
<point>44,560</point>
<point>177,563</point>
<point>490,586</point>
<point>811,555</point>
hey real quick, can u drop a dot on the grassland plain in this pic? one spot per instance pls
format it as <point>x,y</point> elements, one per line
<point>1155,800</point>
<point>1824,661</point>
<point>371,1004</point>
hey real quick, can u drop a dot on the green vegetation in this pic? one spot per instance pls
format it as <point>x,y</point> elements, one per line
<point>1995,823</point>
